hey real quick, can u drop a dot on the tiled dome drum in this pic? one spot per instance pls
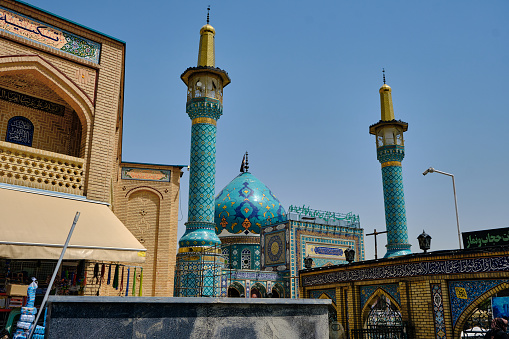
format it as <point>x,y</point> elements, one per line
<point>245,205</point>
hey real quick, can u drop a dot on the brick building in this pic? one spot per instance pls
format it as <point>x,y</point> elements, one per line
<point>61,110</point>
<point>443,294</point>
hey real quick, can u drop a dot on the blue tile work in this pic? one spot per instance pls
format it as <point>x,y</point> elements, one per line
<point>331,293</point>
<point>275,248</point>
<point>394,200</point>
<point>462,293</point>
<point>368,291</point>
<point>438,311</point>
<point>234,255</point>
<point>246,204</point>
<point>192,283</point>
<point>47,35</point>
<point>200,225</point>
<point>459,266</point>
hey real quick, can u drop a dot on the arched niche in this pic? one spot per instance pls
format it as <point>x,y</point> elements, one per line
<point>502,288</point>
<point>383,303</point>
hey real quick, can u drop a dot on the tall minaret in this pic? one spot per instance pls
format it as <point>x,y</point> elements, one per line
<point>390,152</point>
<point>204,106</point>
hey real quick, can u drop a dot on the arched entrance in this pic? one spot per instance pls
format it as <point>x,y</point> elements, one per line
<point>382,319</point>
<point>476,320</point>
<point>258,291</point>
<point>278,291</point>
<point>236,290</point>
<point>233,293</point>
<point>255,293</point>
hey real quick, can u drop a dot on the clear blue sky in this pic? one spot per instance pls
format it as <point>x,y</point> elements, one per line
<point>305,79</point>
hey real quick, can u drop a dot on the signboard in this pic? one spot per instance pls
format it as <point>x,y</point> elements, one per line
<point>129,173</point>
<point>486,238</point>
<point>325,251</point>
<point>40,32</point>
<point>500,306</point>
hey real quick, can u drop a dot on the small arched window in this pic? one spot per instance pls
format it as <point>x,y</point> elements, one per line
<point>246,259</point>
<point>226,256</point>
<point>20,130</point>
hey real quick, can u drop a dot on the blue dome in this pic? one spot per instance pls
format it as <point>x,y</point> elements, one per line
<point>244,205</point>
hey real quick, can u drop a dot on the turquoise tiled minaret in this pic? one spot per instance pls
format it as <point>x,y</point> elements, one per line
<point>390,153</point>
<point>198,261</point>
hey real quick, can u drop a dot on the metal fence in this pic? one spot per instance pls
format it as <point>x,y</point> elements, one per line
<point>383,332</point>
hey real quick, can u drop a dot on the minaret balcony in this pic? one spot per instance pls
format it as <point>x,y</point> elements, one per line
<point>30,167</point>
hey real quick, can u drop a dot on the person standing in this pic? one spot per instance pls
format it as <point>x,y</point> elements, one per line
<point>498,329</point>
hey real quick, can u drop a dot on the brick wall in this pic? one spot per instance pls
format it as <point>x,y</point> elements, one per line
<point>149,209</point>
<point>416,303</point>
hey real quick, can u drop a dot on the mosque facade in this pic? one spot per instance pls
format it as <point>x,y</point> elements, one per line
<point>245,243</point>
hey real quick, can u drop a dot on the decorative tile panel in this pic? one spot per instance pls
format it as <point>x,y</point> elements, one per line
<point>47,35</point>
<point>275,248</point>
<point>131,173</point>
<point>474,265</point>
<point>245,205</point>
<point>463,293</point>
<point>368,291</point>
<point>331,293</point>
<point>438,311</point>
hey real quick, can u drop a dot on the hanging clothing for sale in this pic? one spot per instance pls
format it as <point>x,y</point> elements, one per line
<point>127,285</point>
<point>109,276</point>
<point>115,278</point>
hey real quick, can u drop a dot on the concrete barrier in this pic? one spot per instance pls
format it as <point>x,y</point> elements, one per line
<point>195,318</point>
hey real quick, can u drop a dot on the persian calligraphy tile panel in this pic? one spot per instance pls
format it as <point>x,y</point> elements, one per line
<point>462,293</point>
<point>305,234</point>
<point>438,311</point>
<point>473,265</point>
<point>31,102</point>
<point>331,293</point>
<point>31,29</point>
<point>368,291</point>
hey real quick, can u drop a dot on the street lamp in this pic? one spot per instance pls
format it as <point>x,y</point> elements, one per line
<point>350,255</point>
<point>432,170</point>
<point>424,241</point>
<point>308,262</point>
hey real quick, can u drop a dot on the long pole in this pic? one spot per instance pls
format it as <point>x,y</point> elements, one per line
<point>375,233</point>
<point>32,329</point>
<point>431,170</point>
<point>456,207</point>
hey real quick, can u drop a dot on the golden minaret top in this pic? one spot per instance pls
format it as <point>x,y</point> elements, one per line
<point>206,54</point>
<point>386,101</point>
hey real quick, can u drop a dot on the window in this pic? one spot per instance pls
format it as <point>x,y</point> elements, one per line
<point>20,130</point>
<point>246,259</point>
<point>226,256</point>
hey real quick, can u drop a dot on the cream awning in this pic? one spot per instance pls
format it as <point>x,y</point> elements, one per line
<point>35,224</point>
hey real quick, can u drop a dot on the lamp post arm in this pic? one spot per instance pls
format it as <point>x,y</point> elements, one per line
<point>445,173</point>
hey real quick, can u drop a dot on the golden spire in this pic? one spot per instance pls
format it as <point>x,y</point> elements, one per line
<point>206,54</point>
<point>386,101</point>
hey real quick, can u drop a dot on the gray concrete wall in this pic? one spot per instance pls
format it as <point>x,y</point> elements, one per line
<point>195,318</point>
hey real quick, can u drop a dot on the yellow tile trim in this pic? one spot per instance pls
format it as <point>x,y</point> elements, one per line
<point>199,250</point>
<point>391,163</point>
<point>204,121</point>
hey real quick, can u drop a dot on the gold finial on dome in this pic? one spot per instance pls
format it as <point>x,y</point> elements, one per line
<point>206,54</point>
<point>386,101</point>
